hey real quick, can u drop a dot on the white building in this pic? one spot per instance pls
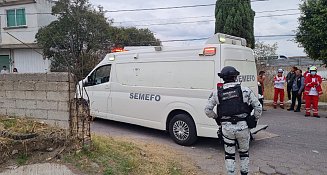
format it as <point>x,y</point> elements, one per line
<point>20,20</point>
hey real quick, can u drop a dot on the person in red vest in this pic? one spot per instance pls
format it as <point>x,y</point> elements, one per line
<point>312,91</point>
<point>279,82</point>
<point>306,73</point>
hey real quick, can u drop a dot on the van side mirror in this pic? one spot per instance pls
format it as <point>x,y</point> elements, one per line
<point>88,81</point>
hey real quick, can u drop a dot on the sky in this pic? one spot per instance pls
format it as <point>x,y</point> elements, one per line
<point>200,20</point>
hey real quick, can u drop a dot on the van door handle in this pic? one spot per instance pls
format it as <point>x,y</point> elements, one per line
<point>107,87</point>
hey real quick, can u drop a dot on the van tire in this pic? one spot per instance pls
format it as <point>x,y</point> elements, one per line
<point>182,130</point>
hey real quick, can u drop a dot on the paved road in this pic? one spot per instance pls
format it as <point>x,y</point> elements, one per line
<point>301,147</point>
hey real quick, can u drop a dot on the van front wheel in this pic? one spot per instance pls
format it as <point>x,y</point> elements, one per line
<point>182,130</point>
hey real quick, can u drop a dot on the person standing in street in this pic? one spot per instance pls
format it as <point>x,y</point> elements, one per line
<point>279,82</point>
<point>289,79</point>
<point>306,73</point>
<point>297,89</point>
<point>312,90</point>
<point>234,105</point>
<point>261,87</point>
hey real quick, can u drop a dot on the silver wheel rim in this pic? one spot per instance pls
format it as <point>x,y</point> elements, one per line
<point>181,130</point>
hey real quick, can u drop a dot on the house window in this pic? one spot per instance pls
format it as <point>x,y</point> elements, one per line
<point>16,17</point>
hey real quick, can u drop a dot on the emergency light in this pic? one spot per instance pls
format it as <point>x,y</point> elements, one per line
<point>118,49</point>
<point>209,51</point>
<point>220,38</point>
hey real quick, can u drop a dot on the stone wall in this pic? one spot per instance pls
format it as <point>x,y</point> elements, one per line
<point>41,96</point>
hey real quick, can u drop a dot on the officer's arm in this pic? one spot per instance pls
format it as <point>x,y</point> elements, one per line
<point>212,102</point>
<point>255,103</point>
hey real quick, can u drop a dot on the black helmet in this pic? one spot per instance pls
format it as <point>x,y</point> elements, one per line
<point>228,72</point>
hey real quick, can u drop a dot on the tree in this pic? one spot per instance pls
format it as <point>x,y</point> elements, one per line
<point>235,17</point>
<point>263,51</point>
<point>81,36</point>
<point>133,37</point>
<point>312,30</point>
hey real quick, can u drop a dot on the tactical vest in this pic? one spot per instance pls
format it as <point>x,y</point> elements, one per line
<point>231,102</point>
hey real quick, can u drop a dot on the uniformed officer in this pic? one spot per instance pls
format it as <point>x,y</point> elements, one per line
<point>234,105</point>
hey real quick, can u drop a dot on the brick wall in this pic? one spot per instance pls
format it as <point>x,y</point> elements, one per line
<point>41,96</point>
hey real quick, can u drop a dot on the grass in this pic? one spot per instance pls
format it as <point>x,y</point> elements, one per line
<point>109,156</point>
<point>21,159</point>
<point>19,125</point>
<point>106,155</point>
<point>8,122</point>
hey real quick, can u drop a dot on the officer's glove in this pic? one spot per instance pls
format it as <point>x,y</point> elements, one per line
<point>251,121</point>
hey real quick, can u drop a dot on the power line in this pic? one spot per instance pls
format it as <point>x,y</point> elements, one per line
<point>205,38</point>
<point>289,14</point>
<point>189,22</point>
<point>24,43</point>
<point>207,16</point>
<point>163,8</point>
<point>165,19</point>
<point>258,36</point>
<point>266,36</point>
<point>50,13</point>
<point>170,23</point>
<point>279,10</point>
<point>168,8</point>
<point>158,8</point>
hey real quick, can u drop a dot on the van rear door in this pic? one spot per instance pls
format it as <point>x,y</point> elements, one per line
<point>243,60</point>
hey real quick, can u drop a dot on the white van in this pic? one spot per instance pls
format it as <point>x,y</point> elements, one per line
<point>167,88</point>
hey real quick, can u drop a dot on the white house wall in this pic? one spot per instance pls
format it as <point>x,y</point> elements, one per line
<point>27,35</point>
<point>4,52</point>
<point>29,61</point>
<point>33,22</point>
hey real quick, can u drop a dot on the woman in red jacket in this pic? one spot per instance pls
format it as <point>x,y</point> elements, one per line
<point>312,91</point>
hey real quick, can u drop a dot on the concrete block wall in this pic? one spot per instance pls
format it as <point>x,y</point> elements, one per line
<point>42,96</point>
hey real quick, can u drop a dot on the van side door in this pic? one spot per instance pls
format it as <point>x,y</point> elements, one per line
<point>98,89</point>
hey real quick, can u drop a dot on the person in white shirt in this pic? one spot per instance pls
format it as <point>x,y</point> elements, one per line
<point>279,82</point>
<point>4,70</point>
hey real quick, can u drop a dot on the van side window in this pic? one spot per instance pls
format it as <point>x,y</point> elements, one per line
<point>101,75</point>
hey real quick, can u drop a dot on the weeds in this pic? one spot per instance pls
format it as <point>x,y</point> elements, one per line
<point>21,159</point>
<point>109,156</point>
<point>174,169</point>
<point>8,122</point>
<point>112,157</point>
